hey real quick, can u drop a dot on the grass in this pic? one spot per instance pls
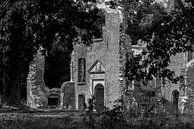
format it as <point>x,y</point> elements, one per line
<point>69,122</point>
<point>28,121</point>
<point>65,120</point>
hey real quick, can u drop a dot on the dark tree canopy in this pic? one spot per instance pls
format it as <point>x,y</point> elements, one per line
<point>26,25</point>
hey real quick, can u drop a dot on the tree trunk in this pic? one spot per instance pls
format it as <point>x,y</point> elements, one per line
<point>11,93</point>
<point>11,82</point>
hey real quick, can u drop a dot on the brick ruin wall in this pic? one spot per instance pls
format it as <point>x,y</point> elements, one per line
<point>107,51</point>
<point>36,88</point>
<point>38,93</point>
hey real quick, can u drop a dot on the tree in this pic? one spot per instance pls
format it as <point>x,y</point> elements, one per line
<point>188,11</point>
<point>26,25</point>
<point>165,34</point>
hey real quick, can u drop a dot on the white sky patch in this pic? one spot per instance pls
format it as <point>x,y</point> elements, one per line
<point>163,2</point>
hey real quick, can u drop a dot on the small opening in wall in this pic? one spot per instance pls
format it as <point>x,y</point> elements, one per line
<point>53,101</point>
<point>175,99</point>
<point>81,102</point>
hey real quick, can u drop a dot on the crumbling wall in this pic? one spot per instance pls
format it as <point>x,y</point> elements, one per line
<point>68,95</point>
<point>187,95</point>
<point>38,93</point>
<point>36,89</point>
<point>107,52</point>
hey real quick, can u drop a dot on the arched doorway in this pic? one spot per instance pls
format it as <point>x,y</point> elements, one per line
<point>175,99</point>
<point>99,97</point>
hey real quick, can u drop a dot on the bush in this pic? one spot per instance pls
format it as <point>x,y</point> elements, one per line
<point>117,118</point>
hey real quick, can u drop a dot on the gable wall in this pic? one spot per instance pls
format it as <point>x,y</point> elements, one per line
<point>107,52</point>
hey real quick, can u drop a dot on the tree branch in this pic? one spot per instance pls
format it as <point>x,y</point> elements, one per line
<point>185,11</point>
<point>3,8</point>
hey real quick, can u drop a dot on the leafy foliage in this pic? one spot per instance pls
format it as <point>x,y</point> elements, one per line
<point>160,35</point>
<point>164,34</point>
<point>115,118</point>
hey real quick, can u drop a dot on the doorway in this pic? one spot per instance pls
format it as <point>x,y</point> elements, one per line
<point>53,101</point>
<point>81,102</point>
<point>175,99</point>
<point>99,97</point>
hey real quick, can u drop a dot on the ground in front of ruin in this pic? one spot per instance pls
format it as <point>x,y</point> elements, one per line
<point>14,118</point>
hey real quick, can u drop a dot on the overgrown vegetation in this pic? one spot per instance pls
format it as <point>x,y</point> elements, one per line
<point>119,118</point>
<point>26,25</point>
<point>163,33</point>
<point>109,119</point>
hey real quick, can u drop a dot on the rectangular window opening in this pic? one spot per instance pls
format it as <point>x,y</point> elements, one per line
<point>81,70</point>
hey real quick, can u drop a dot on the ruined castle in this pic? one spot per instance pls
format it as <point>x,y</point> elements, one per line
<point>97,70</point>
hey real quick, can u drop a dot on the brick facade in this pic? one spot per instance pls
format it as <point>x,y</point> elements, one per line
<point>104,52</point>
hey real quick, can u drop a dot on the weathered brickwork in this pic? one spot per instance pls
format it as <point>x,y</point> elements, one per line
<point>187,90</point>
<point>36,89</point>
<point>178,62</point>
<point>106,52</point>
<point>38,93</point>
<point>185,87</point>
